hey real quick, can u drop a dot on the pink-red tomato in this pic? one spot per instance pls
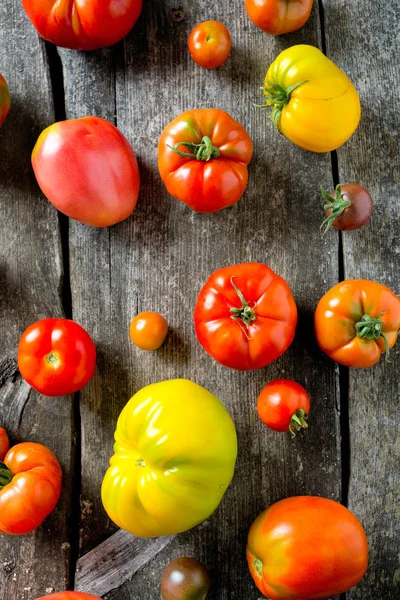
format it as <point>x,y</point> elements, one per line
<point>4,100</point>
<point>70,596</point>
<point>83,24</point>
<point>148,330</point>
<point>88,170</point>
<point>279,16</point>
<point>210,44</point>
<point>283,405</point>
<point>4,443</point>
<point>56,356</point>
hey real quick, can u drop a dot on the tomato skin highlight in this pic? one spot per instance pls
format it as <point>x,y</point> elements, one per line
<point>5,100</point>
<point>148,330</point>
<point>4,443</point>
<point>33,491</point>
<point>106,182</point>
<point>70,596</point>
<point>228,340</point>
<point>279,401</point>
<point>210,44</point>
<point>56,357</point>
<point>205,185</point>
<point>342,308</point>
<point>279,16</point>
<point>306,547</point>
<point>83,24</point>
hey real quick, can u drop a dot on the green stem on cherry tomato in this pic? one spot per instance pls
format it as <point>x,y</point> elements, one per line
<point>336,205</point>
<point>6,476</point>
<point>277,98</point>
<point>203,151</point>
<point>298,422</point>
<point>245,313</point>
<point>369,328</point>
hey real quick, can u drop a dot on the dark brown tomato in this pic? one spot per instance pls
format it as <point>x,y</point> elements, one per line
<point>185,579</point>
<point>348,208</point>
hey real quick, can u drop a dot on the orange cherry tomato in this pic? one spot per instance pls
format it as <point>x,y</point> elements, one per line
<point>356,321</point>
<point>283,405</point>
<point>279,16</point>
<point>4,443</point>
<point>210,44</point>
<point>30,486</point>
<point>70,596</point>
<point>306,548</point>
<point>148,330</point>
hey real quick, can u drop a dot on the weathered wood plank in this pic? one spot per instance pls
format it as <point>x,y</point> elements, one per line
<point>159,258</point>
<point>362,38</point>
<point>31,274</point>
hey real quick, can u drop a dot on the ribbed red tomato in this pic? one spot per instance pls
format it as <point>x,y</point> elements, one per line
<point>245,316</point>
<point>70,596</point>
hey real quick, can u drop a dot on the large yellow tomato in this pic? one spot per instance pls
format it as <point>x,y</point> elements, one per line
<point>175,453</point>
<point>314,104</point>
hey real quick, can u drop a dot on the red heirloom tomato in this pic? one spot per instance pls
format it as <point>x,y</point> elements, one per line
<point>30,486</point>
<point>4,100</point>
<point>4,443</point>
<point>306,548</point>
<point>70,596</point>
<point>83,24</point>
<point>356,321</point>
<point>283,405</point>
<point>202,158</point>
<point>245,316</point>
<point>210,44</point>
<point>56,356</point>
<point>88,170</point>
<point>279,16</point>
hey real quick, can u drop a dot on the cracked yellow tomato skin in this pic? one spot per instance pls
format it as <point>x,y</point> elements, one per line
<point>174,457</point>
<point>323,113</point>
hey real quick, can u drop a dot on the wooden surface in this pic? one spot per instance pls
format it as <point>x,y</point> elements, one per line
<point>159,258</point>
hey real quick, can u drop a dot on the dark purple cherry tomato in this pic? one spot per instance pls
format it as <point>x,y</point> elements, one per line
<point>185,579</point>
<point>348,208</point>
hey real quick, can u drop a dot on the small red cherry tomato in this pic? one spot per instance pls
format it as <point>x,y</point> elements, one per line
<point>56,356</point>
<point>283,405</point>
<point>148,330</point>
<point>70,596</point>
<point>210,44</point>
<point>4,100</point>
<point>4,443</point>
<point>348,208</point>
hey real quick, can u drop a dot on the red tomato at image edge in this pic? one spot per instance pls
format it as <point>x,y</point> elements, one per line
<point>83,24</point>
<point>56,357</point>
<point>69,596</point>
<point>87,169</point>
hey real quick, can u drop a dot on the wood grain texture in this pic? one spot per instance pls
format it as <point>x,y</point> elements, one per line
<point>362,38</point>
<point>31,275</point>
<point>159,258</point>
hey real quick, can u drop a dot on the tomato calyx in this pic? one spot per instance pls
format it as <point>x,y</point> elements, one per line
<point>52,358</point>
<point>336,205</point>
<point>370,328</point>
<point>245,313</point>
<point>258,567</point>
<point>203,151</point>
<point>140,463</point>
<point>298,422</point>
<point>6,476</point>
<point>278,97</point>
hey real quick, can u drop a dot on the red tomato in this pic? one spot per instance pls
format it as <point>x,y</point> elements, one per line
<point>70,596</point>
<point>279,16</point>
<point>83,24</point>
<point>306,548</point>
<point>202,158</point>
<point>56,356</point>
<point>88,170</point>
<point>4,100</point>
<point>30,486</point>
<point>148,330</point>
<point>245,316</point>
<point>210,44</point>
<point>4,443</point>
<point>283,405</point>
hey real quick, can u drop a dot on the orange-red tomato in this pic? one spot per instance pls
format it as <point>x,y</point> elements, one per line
<point>283,405</point>
<point>306,548</point>
<point>245,316</point>
<point>88,170</point>
<point>210,44</point>
<point>83,24</point>
<point>356,321</point>
<point>56,356</point>
<point>30,486</point>
<point>4,100</point>
<point>70,596</point>
<point>148,330</point>
<point>4,443</point>
<point>279,16</point>
<point>202,158</point>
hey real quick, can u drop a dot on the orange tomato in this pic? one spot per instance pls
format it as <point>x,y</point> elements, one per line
<point>148,330</point>
<point>210,44</point>
<point>356,321</point>
<point>4,443</point>
<point>279,16</point>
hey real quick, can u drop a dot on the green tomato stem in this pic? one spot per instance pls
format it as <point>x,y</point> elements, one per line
<point>6,476</point>
<point>245,313</point>
<point>370,328</point>
<point>298,422</point>
<point>336,205</point>
<point>203,151</point>
<point>277,98</point>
